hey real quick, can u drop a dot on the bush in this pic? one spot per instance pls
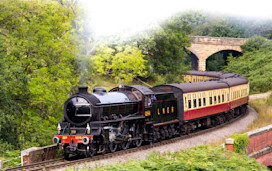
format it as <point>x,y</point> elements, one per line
<point>197,158</point>
<point>240,143</point>
<point>253,44</point>
<point>256,66</point>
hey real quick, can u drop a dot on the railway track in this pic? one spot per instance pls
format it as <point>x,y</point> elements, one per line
<point>60,163</point>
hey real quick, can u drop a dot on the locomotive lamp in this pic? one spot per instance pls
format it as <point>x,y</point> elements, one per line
<point>88,128</point>
<point>59,128</point>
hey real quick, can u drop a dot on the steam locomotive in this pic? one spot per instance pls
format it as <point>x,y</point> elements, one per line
<point>129,115</point>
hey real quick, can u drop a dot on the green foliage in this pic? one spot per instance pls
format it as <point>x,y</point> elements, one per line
<point>122,63</point>
<point>256,65</point>
<point>215,25</point>
<point>219,60</point>
<point>215,62</point>
<point>197,158</point>
<point>165,46</point>
<point>38,70</point>
<point>11,154</point>
<point>240,143</point>
<point>253,44</point>
<point>220,26</point>
<point>164,79</point>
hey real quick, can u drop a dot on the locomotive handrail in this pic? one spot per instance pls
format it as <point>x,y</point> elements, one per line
<point>114,104</point>
<point>118,120</point>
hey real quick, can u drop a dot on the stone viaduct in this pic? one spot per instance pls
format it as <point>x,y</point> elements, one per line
<point>203,47</point>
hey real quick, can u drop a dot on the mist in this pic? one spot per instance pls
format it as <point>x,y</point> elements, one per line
<point>129,17</point>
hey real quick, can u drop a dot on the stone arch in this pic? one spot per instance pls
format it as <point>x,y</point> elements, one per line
<point>193,59</point>
<point>222,48</point>
<point>216,61</point>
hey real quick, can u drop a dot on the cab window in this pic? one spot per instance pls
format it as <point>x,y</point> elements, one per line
<point>148,101</point>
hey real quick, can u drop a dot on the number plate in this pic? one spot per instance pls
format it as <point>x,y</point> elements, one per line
<point>73,131</point>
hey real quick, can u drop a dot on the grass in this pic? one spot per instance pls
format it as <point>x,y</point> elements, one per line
<point>264,110</point>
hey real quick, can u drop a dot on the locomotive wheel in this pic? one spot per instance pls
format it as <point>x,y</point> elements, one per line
<point>66,156</point>
<point>162,134</point>
<point>112,147</point>
<point>170,132</point>
<point>138,134</point>
<point>125,145</point>
<point>125,132</point>
<point>91,151</point>
<point>156,135</point>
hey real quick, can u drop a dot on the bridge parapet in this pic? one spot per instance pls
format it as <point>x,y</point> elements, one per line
<point>218,40</point>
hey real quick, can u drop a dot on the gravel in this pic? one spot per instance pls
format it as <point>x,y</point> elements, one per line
<point>259,96</point>
<point>215,136</point>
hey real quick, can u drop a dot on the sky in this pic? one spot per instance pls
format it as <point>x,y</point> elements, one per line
<point>111,17</point>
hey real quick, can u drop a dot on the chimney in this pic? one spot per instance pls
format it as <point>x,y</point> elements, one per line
<point>83,90</point>
<point>99,90</point>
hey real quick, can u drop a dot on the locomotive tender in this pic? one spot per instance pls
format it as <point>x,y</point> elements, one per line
<point>128,115</point>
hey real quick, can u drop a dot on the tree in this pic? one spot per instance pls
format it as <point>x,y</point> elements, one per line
<point>215,62</point>
<point>41,69</point>
<point>253,44</point>
<point>124,63</point>
<point>166,46</point>
<point>219,26</point>
<point>256,65</point>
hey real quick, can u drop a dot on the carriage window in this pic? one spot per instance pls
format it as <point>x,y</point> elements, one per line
<point>210,100</point>
<point>228,96</point>
<point>204,101</point>
<point>189,104</point>
<point>214,99</point>
<point>199,102</point>
<point>218,98</point>
<point>194,103</point>
<point>223,98</point>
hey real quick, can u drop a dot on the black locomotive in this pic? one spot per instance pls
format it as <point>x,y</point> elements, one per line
<point>128,115</point>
